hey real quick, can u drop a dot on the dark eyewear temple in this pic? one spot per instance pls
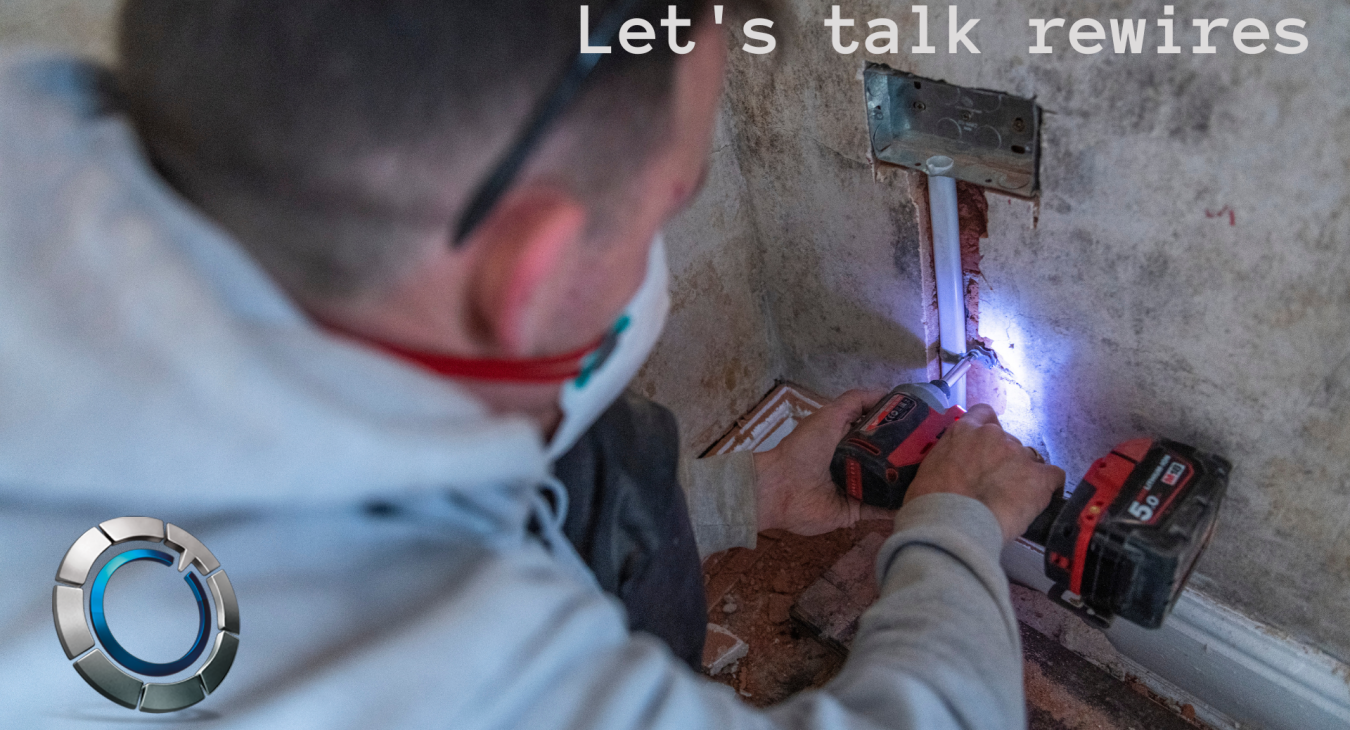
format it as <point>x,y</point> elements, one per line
<point>545,115</point>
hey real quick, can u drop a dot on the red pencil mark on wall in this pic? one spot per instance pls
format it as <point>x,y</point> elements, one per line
<point>1232,214</point>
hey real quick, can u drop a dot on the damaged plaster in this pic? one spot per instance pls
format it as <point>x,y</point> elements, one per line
<point>840,270</point>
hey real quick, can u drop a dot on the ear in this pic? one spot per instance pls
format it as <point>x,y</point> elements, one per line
<point>528,251</point>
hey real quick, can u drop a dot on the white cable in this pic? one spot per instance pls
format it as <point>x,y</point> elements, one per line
<point>951,294</point>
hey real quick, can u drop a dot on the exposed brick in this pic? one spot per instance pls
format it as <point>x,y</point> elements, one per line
<point>855,572</point>
<point>832,605</point>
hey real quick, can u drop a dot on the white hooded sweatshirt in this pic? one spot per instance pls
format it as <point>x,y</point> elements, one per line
<point>148,367</point>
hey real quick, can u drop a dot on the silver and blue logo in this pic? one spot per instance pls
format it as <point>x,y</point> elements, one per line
<point>82,623</point>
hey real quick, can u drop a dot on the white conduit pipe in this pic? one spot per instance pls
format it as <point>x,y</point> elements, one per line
<point>951,295</point>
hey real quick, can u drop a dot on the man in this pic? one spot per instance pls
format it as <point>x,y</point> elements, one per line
<point>329,283</point>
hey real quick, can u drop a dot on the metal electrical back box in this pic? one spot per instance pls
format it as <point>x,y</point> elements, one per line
<point>993,137</point>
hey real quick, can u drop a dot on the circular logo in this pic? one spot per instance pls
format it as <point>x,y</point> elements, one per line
<point>82,626</point>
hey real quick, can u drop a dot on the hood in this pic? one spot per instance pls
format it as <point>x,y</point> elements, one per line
<point>146,360</point>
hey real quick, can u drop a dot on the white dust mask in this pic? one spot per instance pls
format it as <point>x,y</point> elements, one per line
<point>607,371</point>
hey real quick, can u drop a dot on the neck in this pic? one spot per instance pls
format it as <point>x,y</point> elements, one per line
<point>528,388</point>
<point>398,317</point>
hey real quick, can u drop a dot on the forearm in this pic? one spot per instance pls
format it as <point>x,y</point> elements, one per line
<point>940,648</point>
<point>934,652</point>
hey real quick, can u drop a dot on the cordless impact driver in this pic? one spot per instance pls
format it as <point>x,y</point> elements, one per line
<point>1123,543</point>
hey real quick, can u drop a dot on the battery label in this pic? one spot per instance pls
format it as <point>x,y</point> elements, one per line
<point>897,407</point>
<point>1164,483</point>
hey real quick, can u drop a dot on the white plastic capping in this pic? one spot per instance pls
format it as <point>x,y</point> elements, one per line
<point>947,268</point>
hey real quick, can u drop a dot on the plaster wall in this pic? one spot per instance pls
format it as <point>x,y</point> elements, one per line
<point>83,26</point>
<point>1130,302</point>
<point>717,356</point>
<point>841,267</point>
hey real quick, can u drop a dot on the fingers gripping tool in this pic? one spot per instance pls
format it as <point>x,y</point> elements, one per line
<point>1122,543</point>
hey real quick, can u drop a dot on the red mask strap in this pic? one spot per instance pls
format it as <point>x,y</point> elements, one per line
<point>553,369</point>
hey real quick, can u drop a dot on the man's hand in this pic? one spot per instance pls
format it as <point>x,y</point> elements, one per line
<point>978,459</point>
<point>795,492</point>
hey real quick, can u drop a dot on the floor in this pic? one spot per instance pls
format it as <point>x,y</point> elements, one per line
<point>1066,692</point>
<point>752,594</point>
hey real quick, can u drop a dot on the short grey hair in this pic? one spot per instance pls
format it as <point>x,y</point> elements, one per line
<point>330,135</point>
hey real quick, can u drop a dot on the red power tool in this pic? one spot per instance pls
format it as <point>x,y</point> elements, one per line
<point>878,459</point>
<point>1122,544</point>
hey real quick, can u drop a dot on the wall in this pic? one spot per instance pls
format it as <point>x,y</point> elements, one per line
<point>717,356</point>
<point>782,270</point>
<point>83,26</point>
<point>1130,302</point>
<point>841,272</point>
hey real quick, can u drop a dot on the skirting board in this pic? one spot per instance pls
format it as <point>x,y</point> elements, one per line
<point>1235,672</point>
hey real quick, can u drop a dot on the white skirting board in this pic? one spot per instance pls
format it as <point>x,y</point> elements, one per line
<point>1235,672</point>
